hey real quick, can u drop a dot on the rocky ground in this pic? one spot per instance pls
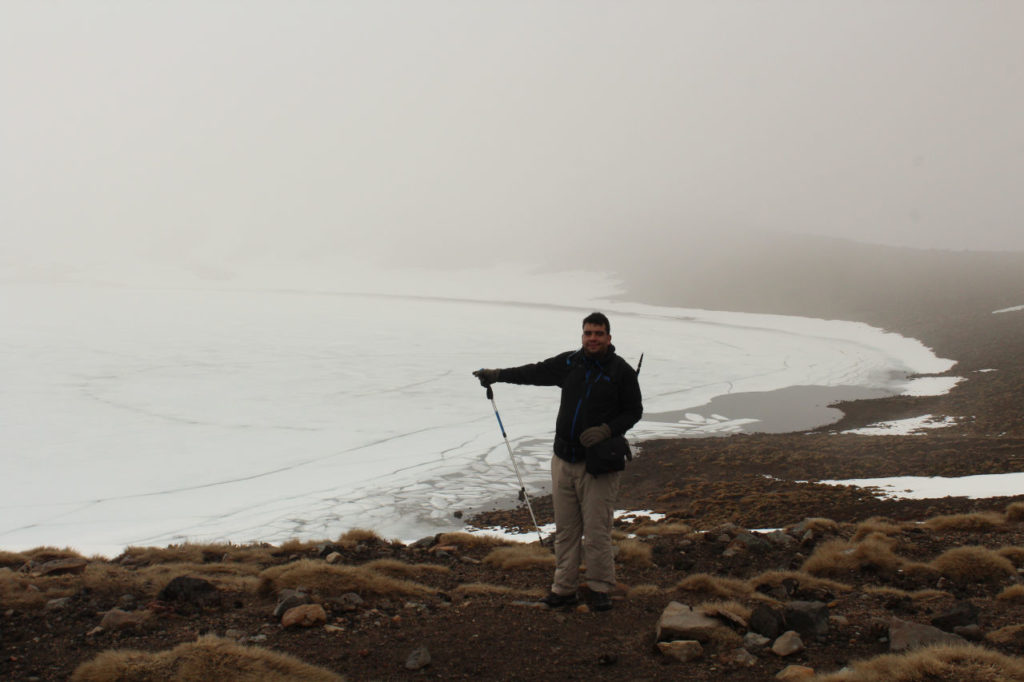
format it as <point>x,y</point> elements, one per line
<point>865,576</point>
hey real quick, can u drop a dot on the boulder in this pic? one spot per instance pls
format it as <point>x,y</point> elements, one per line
<point>960,614</point>
<point>740,656</point>
<point>795,672</point>
<point>289,599</point>
<point>305,616</point>
<point>679,621</point>
<point>905,635</point>
<point>787,644</point>
<point>684,650</point>
<point>767,621</point>
<point>419,658</point>
<point>752,640</point>
<point>191,590</point>
<point>809,618</point>
<point>69,566</point>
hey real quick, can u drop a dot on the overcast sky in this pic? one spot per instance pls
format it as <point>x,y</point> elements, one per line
<point>220,129</point>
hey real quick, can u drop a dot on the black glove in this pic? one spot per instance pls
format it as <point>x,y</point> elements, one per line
<point>487,376</point>
<point>595,434</point>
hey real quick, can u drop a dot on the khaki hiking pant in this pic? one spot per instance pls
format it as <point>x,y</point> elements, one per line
<point>583,525</point>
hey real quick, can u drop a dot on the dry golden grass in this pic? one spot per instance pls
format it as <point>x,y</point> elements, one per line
<point>875,525</point>
<point>44,554</point>
<point>1015,512</point>
<point>965,662</point>
<point>350,539</point>
<point>400,569</point>
<point>805,580</point>
<point>718,586</point>
<point>208,552</point>
<point>208,658</point>
<point>964,565</point>
<point>820,525</point>
<point>633,552</point>
<point>21,591</point>
<point>640,591</point>
<point>12,559</point>
<point>714,607</point>
<point>838,557</point>
<point>916,595</point>
<point>1013,593</point>
<point>520,556</point>
<point>617,534</point>
<point>978,521</point>
<point>1011,634</point>
<point>476,589</point>
<point>1014,554</point>
<point>670,528</point>
<point>328,580</point>
<point>470,540</point>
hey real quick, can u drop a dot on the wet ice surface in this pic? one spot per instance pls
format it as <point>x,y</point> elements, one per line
<point>153,416</point>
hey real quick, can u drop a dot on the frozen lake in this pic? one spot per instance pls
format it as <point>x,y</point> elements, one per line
<point>135,416</point>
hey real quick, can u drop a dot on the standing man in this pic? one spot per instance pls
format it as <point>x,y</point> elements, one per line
<point>600,402</point>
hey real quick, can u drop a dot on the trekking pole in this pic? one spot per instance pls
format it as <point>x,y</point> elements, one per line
<point>522,487</point>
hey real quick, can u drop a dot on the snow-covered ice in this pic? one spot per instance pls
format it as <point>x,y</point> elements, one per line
<point>904,427</point>
<point>159,415</point>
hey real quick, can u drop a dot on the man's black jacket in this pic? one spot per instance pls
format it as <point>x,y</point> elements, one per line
<point>595,391</point>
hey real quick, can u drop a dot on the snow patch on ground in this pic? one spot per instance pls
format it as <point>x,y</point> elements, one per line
<point>1014,309</point>
<point>904,427</point>
<point>934,487</point>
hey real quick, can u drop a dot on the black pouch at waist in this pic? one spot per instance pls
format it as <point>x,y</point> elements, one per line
<point>608,455</point>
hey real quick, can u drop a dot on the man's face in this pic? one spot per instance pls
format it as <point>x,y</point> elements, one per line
<point>596,339</point>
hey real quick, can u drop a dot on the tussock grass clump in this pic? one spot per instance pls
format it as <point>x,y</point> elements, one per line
<point>12,559</point>
<point>633,552</point>
<point>804,580</point>
<point>351,538</point>
<point>1014,554</point>
<point>483,589</point>
<point>400,569</point>
<point>1011,634</point>
<point>875,525</point>
<point>520,556</point>
<point>839,557</point>
<point>817,525</point>
<point>965,565</point>
<point>715,607</point>
<point>718,586</point>
<point>1015,512</point>
<point>646,590</point>
<point>206,659</point>
<point>471,540</point>
<point>329,580</point>
<point>44,554</point>
<point>198,553</point>
<point>944,662</point>
<point>1013,593</point>
<point>978,521</point>
<point>917,595</point>
<point>18,590</point>
<point>671,528</point>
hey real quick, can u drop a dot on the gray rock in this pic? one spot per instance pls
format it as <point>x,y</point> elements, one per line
<point>679,621</point>
<point>752,543</point>
<point>684,650</point>
<point>780,538</point>
<point>752,640</point>
<point>424,543</point>
<point>289,599</point>
<point>962,613</point>
<point>741,656</point>
<point>787,644</point>
<point>767,621</point>
<point>116,619</point>
<point>185,588</point>
<point>67,566</point>
<point>809,618</point>
<point>419,658</point>
<point>58,604</point>
<point>905,635</point>
<point>126,602</point>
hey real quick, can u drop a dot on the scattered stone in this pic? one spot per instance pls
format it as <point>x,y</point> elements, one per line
<point>740,656</point>
<point>289,599</point>
<point>116,619</point>
<point>306,615</point>
<point>419,658</point>
<point>185,588</point>
<point>795,672</point>
<point>126,602</point>
<point>684,650</point>
<point>839,620</point>
<point>809,618</point>
<point>904,635</point>
<point>424,543</point>
<point>679,621</point>
<point>752,543</point>
<point>350,601</point>
<point>962,613</point>
<point>69,566</point>
<point>58,604</point>
<point>234,634</point>
<point>788,643</point>
<point>325,549</point>
<point>333,558</point>
<point>333,628</point>
<point>752,640</point>
<point>767,621</point>
<point>780,538</point>
<point>258,639</point>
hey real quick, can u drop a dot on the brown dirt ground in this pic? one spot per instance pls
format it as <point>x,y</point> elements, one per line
<point>750,480</point>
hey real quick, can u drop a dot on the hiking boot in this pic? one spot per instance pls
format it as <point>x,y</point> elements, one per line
<point>600,601</point>
<point>556,601</point>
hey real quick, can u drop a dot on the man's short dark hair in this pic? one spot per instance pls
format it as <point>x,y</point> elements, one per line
<point>596,319</point>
